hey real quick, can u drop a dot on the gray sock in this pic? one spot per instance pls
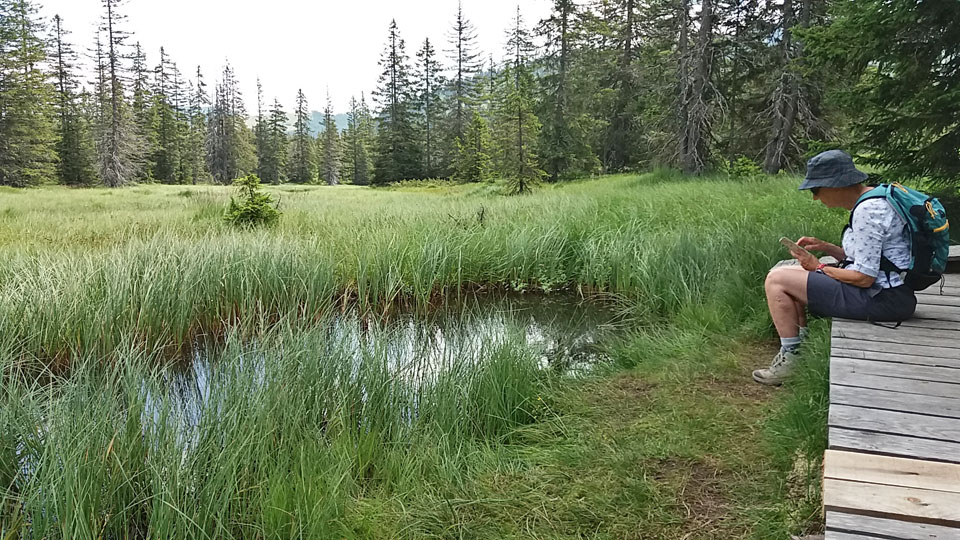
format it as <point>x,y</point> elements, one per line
<point>790,344</point>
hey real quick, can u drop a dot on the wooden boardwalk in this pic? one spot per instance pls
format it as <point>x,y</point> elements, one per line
<point>892,470</point>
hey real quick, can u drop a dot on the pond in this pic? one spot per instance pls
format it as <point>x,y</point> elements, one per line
<point>564,333</point>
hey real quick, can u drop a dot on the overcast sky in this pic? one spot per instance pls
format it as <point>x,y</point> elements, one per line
<point>311,44</point>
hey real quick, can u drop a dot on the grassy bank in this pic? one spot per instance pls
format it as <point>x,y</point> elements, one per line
<point>307,444</point>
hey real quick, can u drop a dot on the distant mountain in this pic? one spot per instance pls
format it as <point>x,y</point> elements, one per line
<point>316,121</point>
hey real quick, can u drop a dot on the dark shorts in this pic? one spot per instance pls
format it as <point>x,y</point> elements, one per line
<point>827,297</point>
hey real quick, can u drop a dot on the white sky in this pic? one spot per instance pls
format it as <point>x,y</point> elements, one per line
<point>311,44</point>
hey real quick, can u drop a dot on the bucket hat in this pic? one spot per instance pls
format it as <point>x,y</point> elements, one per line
<point>833,169</point>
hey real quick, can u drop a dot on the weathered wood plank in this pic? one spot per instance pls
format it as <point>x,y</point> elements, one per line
<point>895,401</point>
<point>842,535</point>
<point>931,323</point>
<point>949,339</point>
<point>887,528</point>
<point>928,350</point>
<point>891,471</point>
<point>939,313</point>
<point>934,299</point>
<point>848,377</point>
<point>901,371</point>
<point>847,326</point>
<point>954,254</point>
<point>896,445</point>
<point>895,357</point>
<point>894,422</point>
<point>891,501</point>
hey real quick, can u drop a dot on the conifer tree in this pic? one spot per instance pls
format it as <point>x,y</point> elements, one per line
<point>229,146</point>
<point>260,132</point>
<point>74,138</point>
<point>398,156</point>
<point>517,126</point>
<point>330,156</point>
<point>117,146</point>
<point>195,147</point>
<point>565,150</point>
<point>429,83</point>
<point>166,158</point>
<point>620,139</point>
<point>301,165</point>
<point>466,66</point>
<point>473,152</point>
<point>273,161</point>
<point>27,138</point>
<point>143,113</point>
<point>356,143</point>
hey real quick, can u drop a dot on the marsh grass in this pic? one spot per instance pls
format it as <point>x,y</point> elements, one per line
<point>82,271</point>
<point>299,440</point>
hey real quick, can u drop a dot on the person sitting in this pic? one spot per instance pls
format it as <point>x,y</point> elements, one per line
<point>856,288</point>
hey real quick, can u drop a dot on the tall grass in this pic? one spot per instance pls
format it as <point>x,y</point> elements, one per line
<point>102,267</point>
<point>288,430</point>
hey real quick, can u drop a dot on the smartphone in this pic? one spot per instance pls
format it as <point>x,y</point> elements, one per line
<point>791,245</point>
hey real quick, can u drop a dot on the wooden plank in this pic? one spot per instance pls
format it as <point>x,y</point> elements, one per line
<point>895,401</point>
<point>894,422</point>
<point>949,339</point>
<point>894,357</point>
<point>895,445</point>
<point>919,350</point>
<point>846,326</point>
<point>892,501</point>
<point>901,371</point>
<point>841,535</point>
<point>931,323</point>
<point>954,254</point>
<point>848,377</point>
<point>891,471</point>
<point>938,300</point>
<point>887,528</point>
<point>939,313</point>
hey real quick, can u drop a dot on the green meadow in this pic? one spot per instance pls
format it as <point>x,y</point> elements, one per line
<point>105,293</point>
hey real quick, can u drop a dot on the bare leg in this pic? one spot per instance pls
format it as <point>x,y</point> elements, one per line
<point>801,315</point>
<point>786,289</point>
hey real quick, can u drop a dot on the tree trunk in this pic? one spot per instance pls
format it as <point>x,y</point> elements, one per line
<point>786,97</point>
<point>696,130</point>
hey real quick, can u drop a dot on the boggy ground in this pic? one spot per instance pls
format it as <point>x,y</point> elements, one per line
<point>682,448</point>
<point>673,441</point>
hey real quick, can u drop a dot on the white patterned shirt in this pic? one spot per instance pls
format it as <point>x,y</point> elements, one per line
<point>877,229</point>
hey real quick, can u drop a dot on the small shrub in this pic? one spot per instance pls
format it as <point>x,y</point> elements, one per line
<point>743,168</point>
<point>255,207</point>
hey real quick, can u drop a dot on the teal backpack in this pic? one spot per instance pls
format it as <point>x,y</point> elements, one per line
<point>929,233</point>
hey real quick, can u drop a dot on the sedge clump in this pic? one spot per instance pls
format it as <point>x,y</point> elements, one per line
<point>255,206</point>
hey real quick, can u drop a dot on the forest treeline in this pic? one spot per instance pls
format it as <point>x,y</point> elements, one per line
<point>598,86</point>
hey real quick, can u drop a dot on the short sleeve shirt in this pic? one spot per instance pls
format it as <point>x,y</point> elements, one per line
<point>877,229</point>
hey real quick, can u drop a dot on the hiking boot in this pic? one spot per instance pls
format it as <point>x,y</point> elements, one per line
<point>781,367</point>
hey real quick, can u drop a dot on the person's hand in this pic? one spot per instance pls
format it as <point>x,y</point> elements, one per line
<point>812,243</point>
<point>807,261</point>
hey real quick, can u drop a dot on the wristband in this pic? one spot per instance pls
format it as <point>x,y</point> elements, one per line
<point>820,267</point>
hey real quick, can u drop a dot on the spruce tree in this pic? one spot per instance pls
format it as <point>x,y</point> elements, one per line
<point>195,144</point>
<point>901,61</point>
<point>517,126</point>
<point>27,137</point>
<point>398,156</point>
<point>143,113</point>
<point>230,152</point>
<point>330,156</point>
<point>430,81</point>
<point>74,139</point>
<point>356,142</point>
<point>473,163</point>
<point>301,165</point>
<point>166,158</point>
<point>273,161</point>
<point>466,65</point>
<point>118,142</point>
<point>565,150</point>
